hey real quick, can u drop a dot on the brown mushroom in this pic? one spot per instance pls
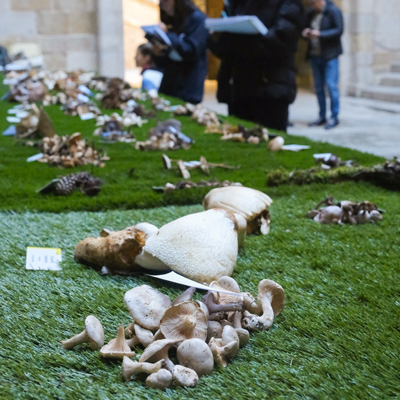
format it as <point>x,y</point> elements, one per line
<point>93,334</point>
<point>118,347</point>
<point>184,321</point>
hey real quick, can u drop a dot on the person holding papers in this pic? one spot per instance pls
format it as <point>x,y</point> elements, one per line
<point>257,77</point>
<point>185,60</point>
<point>145,59</point>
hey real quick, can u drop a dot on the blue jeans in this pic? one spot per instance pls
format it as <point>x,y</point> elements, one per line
<point>326,73</point>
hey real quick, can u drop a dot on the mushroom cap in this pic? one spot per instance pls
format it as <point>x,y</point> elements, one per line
<point>118,347</point>
<point>144,336</point>
<point>195,354</point>
<point>182,376</point>
<point>238,199</point>
<point>147,305</point>
<point>159,380</point>
<point>156,351</point>
<point>147,228</point>
<point>184,321</point>
<point>275,291</point>
<point>95,332</point>
<point>276,144</point>
<point>202,246</point>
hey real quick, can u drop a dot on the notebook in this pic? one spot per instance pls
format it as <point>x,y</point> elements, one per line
<point>244,24</point>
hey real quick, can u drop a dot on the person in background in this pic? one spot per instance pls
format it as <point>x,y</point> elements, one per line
<point>185,62</point>
<point>257,77</point>
<point>324,30</point>
<point>145,59</point>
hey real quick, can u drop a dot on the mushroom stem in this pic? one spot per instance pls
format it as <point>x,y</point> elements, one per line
<point>213,307</point>
<point>267,318</point>
<point>134,341</point>
<point>77,339</point>
<point>251,304</point>
<point>130,367</point>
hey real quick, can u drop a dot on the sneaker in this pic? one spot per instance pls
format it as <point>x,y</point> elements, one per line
<point>333,122</point>
<point>320,121</point>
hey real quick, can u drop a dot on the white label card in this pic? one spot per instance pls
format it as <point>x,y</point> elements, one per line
<point>43,258</point>
<point>87,116</point>
<point>35,157</point>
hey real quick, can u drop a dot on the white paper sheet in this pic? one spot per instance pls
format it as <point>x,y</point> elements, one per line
<point>295,147</point>
<point>41,258</point>
<point>181,280</point>
<point>35,157</point>
<point>324,156</point>
<point>87,116</point>
<point>243,24</point>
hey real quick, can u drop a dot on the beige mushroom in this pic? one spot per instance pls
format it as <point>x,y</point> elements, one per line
<point>142,336</point>
<point>276,143</point>
<point>250,203</point>
<point>243,334</point>
<point>271,296</point>
<point>183,376</point>
<point>329,215</point>
<point>202,246</point>
<point>185,296</point>
<point>195,354</point>
<point>93,334</point>
<point>213,307</point>
<point>183,170</point>
<point>158,350</point>
<point>226,348</point>
<point>214,330</point>
<point>184,321</point>
<point>130,367</point>
<point>160,380</point>
<point>147,306</point>
<point>118,347</point>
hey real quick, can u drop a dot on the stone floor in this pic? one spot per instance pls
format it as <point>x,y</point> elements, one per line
<point>366,125</point>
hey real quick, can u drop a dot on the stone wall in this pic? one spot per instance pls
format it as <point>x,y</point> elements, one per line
<point>66,30</point>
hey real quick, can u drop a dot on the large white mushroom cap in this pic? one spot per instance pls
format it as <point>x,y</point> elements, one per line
<point>202,246</point>
<point>238,199</point>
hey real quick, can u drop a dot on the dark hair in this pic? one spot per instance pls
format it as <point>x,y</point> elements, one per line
<point>182,8</point>
<point>147,50</point>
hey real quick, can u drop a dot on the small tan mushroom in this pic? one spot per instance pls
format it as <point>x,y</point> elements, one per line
<point>226,348</point>
<point>184,321</point>
<point>142,336</point>
<point>242,333</point>
<point>130,367</point>
<point>182,376</point>
<point>271,296</point>
<point>276,144</point>
<point>159,380</point>
<point>185,296</point>
<point>158,350</point>
<point>213,307</point>
<point>214,330</point>
<point>195,354</point>
<point>93,334</point>
<point>183,170</point>
<point>250,203</point>
<point>118,347</point>
<point>147,306</point>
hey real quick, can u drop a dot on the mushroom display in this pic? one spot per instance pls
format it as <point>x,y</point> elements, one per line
<point>118,347</point>
<point>147,306</point>
<point>93,334</point>
<point>250,203</point>
<point>195,354</point>
<point>202,246</point>
<point>184,321</point>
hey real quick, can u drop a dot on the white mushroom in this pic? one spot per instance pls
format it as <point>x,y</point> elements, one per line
<point>93,334</point>
<point>329,215</point>
<point>147,306</point>
<point>160,380</point>
<point>182,376</point>
<point>142,336</point>
<point>250,203</point>
<point>202,246</point>
<point>118,347</point>
<point>271,296</point>
<point>130,367</point>
<point>276,144</point>
<point>158,350</point>
<point>225,348</point>
<point>195,354</point>
<point>242,333</point>
<point>214,330</point>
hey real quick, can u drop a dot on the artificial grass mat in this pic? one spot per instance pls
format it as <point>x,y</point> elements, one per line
<point>124,188</point>
<point>337,338</point>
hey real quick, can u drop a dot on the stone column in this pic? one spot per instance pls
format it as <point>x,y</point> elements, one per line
<point>110,38</point>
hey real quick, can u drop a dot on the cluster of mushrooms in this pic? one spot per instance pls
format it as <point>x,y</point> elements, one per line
<point>201,246</point>
<point>352,212</point>
<point>201,333</point>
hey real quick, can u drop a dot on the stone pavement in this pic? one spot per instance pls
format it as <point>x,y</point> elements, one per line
<point>367,125</point>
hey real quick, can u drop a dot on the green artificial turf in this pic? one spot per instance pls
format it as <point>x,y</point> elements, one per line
<point>122,189</point>
<point>337,338</point>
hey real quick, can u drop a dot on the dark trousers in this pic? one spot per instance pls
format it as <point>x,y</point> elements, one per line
<point>326,73</point>
<point>266,111</point>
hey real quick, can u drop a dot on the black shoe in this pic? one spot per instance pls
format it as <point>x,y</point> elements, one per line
<point>320,121</point>
<point>332,123</point>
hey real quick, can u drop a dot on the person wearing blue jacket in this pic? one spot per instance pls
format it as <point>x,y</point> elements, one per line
<point>185,62</point>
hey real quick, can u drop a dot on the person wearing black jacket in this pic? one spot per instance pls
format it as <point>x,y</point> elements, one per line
<point>185,62</point>
<point>257,77</point>
<point>324,30</point>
